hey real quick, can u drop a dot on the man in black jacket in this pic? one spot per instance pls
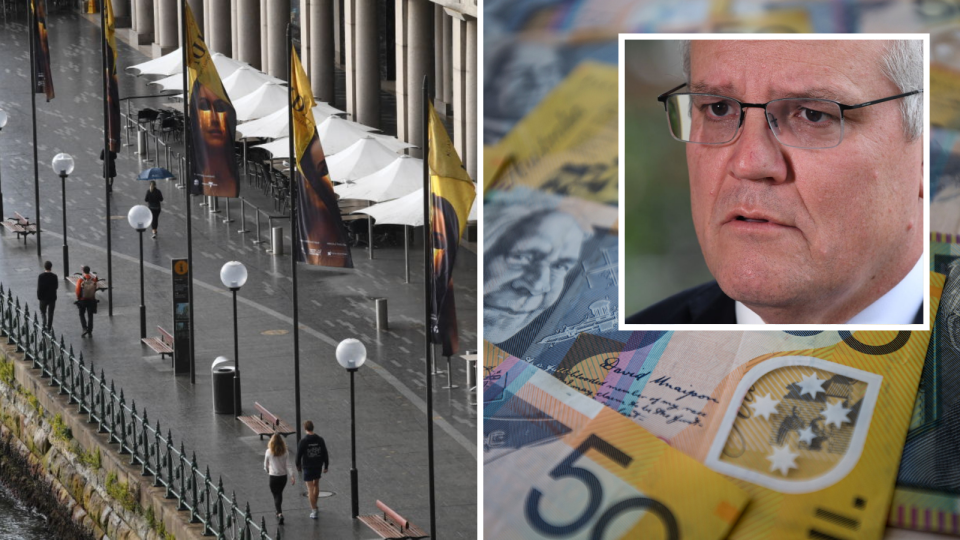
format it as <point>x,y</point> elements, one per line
<point>311,458</point>
<point>47,285</point>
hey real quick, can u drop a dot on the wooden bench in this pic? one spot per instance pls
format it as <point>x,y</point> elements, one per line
<point>266,423</point>
<point>20,225</point>
<point>162,344</point>
<point>392,525</point>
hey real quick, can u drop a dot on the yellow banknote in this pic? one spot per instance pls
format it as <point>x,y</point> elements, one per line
<point>810,424</point>
<point>559,465</point>
<point>573,113</point>
<point>944,96</point>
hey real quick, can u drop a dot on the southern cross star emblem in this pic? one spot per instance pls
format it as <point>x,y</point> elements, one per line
<point>783,459</point>
<point>811,385</point>
<point>807,435</point>
<point>764,406</point>
<point>836,414</point>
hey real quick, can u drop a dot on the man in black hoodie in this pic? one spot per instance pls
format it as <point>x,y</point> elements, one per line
<point>47,285</point>
<point>311,458</point>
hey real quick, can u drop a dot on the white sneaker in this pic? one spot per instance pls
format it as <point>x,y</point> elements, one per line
<point>313,514</point>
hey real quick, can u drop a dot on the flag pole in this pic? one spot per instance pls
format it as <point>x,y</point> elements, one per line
<point>106,147</point>
<point>427,291</point>
<point>187,140</point>
<point>294,229</point>
<point>33,108</point>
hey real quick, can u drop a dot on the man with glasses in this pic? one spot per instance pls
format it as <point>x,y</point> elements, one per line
<point>806,181</point>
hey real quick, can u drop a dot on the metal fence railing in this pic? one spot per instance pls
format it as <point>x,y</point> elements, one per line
<point>148,449</point>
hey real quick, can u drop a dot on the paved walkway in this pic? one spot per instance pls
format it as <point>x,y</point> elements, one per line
<point>334,305</point>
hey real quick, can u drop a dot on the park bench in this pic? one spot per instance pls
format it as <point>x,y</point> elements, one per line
<point>162,344</point>
<point>266,423</point>
<point>392,525</point>
<point>20,225</point>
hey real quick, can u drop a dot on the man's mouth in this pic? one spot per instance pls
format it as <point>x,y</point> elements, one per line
<point>751,220</point>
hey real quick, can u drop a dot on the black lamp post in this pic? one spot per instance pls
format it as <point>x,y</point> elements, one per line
<point>140,217</point>
<point>63,165</point>
<point>351,354</point>
<point>234,275</point>
<point>3,122</point>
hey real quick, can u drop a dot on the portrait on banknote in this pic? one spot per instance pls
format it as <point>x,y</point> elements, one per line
<point>775,181</point>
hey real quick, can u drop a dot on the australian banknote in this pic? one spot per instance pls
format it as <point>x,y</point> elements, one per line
<point>549,272</point>
<point>809,423</point>
<point>560,465</point>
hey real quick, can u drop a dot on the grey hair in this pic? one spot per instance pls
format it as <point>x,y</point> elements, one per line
<point>902,64</point>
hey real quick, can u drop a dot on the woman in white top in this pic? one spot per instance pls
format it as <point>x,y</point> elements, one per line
<point>276,462</point>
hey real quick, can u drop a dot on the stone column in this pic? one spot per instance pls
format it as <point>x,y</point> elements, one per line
<point>248,28</point>
<point>438,65</point>
<point>234,30</point>
<point>197,7</point>
<point>167,29</point>
<point>205,24</point>
<point>264,38</point>
<point>420,51</point>
<point>278,16</point>
<point>156,22</point>
<point>459,84</point>
<point>219,39</point>
<point>142,31</point>
<point>121,13</point>
<point>469,153</point>
<point>338,31</point>
<point>447,86</point>
<point>322,49</point>
<point>363,62</point>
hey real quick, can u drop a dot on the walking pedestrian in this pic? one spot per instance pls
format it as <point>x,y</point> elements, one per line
<point>154,198</point>
<point>110,168</point>
<point>87,300</point>
<point>276,461</point>
<point>47,285</point>
<point>311,459</point>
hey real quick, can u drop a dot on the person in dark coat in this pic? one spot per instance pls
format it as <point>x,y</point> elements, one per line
<point>47,285</point>
<point>312,458</point>
<point>154,198</point>
<point>111,169</point>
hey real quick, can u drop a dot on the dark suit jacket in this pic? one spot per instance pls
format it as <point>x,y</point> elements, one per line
<point>47,285</point>
<point>703,304</point>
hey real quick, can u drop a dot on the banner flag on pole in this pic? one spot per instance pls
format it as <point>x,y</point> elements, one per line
<point>213,121</point>
<point>321,232</point>
<point>451,195</point>
<point>44,73</point>
<point>113,85</point>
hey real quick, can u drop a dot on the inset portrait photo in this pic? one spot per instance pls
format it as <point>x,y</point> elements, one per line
<point>774,181</point>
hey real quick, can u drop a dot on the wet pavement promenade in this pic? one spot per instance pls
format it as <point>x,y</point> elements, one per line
<point>334,305</point>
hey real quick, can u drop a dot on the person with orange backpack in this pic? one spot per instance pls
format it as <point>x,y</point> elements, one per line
<point>87,300</point>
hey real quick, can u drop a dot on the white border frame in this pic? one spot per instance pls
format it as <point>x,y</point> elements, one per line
<point>847,462</point>
<point>925,326</point>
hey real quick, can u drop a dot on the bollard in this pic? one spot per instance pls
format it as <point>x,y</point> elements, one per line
<point>257,240</point>
<point>381,308</point>
<point>243,217</point>
<point>276,241</point>
<point>142,148</point>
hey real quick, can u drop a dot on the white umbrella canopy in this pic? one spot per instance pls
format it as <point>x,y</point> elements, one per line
<point>173,82</point>
<point>407,210</point>
<point>279,149</point>
<point>363,157</point>
<point>245,81</point>
<point>261,102</point>
<point>167,64</point>
<point>275,124</point>
<point>401,177</point>
<point>338,134</point>
<point>171,64</point>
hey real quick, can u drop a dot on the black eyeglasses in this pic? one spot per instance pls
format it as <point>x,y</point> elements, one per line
<point>811,123</point>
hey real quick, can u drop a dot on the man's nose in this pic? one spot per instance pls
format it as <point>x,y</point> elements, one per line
<point>535,279</point>
<point>757,154</point>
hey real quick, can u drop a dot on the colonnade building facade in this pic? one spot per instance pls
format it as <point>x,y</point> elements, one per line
<point>390,44</point>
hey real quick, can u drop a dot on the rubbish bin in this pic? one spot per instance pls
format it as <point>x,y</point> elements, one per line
<point>381,310</point>
<point>223,396</point>
<point>142,144</point>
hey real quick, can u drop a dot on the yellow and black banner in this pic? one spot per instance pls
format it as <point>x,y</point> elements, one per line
<point>322,236</point>
<point>113,85</point>
<point>42,51</point>
<point>213,121</point>
<point>451,195</point>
